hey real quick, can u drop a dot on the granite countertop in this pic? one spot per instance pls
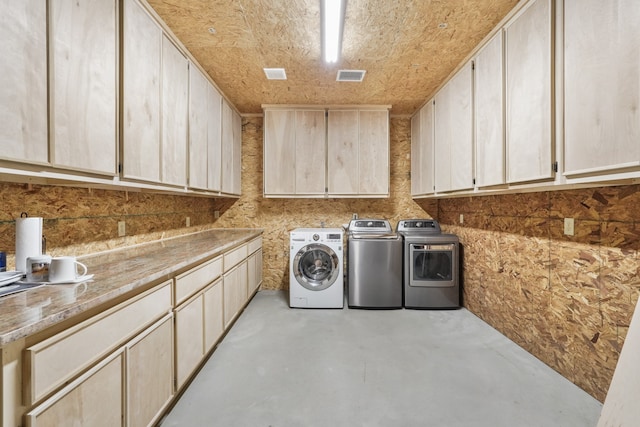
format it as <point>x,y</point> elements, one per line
<point>115,273</point>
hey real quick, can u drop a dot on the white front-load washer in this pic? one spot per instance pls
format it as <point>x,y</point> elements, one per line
<point>316,268</point>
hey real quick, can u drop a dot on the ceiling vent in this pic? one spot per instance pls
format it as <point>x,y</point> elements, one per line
<point>275,73</point>
<point>350,75</point>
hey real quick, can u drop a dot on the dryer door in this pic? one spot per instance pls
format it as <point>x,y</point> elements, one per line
<point>316,267</point>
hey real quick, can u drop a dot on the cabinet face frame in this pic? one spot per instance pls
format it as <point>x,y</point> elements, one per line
<point>529,65</point>
<point>23,100</point>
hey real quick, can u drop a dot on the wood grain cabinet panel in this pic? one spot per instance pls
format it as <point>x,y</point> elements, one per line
<point>84,84</point>
<point>342,152</point>
<point>149,373</point>
<point>189,338</point>
<point>23,97</point>
<point>94,399</point>
<point>373,152</point>
<point>213,314</point>
<point>454,133</point>
<point>227,148</point>
<point>279,152</point>
<point>310,152</point>
<point>142,39</point>
<point>198,129</point>
<point>529,95</point>
<point>422,139</point>
<point>489,113</point>
<point>235,292</point>
<point>236,176</point>
<point>175,87</point>
<point>214,139</point>
<point>602,93</point>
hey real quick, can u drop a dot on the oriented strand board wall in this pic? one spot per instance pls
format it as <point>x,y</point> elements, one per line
<point>566,299</point>
<point>279,216</point>
<point>79,221</point>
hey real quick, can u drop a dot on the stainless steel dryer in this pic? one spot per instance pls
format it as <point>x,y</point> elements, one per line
<point>374,263</point>
<point>431,265</point>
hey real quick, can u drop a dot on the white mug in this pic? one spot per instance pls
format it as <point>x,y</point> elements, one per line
<point>38,268</point>
<point>64,269</point>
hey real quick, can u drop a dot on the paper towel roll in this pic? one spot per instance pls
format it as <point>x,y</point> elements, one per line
<point>28,240</point>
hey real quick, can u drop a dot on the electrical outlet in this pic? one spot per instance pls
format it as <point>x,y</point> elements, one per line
<point>188,222</point>
<point>122,230</point>
<point>568,226</point>
<point>461,219</point>
<point>216,214</point>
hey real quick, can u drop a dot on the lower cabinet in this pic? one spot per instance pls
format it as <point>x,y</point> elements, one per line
<point>123,366</point>
<point>235,292</point>
<point>149,373</point>
<point>94,399</point>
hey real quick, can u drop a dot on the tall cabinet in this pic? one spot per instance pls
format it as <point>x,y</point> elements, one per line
<point>422,151</point>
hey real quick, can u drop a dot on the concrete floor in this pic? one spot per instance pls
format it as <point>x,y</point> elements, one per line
<point>295,367</point>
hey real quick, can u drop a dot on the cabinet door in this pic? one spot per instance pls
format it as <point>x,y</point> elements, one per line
<point>142,40</point>
<point>489,109</point>
<point>422,128</point>
<point>213,315</point>
<point>342,152</point>
<point>23,97</point>
<point>454,134</point>
<point>236,176</point>
<point>529,108</point>
<point>84,83</point>
<point>373,152</point>
<point>310,152</point>
<point>94,399</point>
<point>198,129</point>
<point>279,152</point>
<point>602,94</point>
<point>189,338</point>
<point>227,148</point>
<point>214,138</point>
<point>235,292</point>
<point>175,82</point>
<point>149,373</point>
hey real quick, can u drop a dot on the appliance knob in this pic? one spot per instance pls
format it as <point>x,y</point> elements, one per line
<point>316,237</point>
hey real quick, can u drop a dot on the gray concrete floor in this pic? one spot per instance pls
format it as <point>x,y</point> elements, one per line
<point>294,367</point>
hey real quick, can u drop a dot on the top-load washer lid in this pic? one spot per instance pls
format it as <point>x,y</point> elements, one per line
<point>418,227</point>
<point>371,228</point>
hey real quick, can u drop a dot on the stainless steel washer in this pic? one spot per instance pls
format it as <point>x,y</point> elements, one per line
<point>374,264</point>
<point>431,265</point>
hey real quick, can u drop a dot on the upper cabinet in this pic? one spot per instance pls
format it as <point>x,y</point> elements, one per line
<point>529,93</point>
<point>358,152</point>
<point>231,150</point>
<point>601,87</point>
<point>142,42</point>
<point>489,113</point>
<point>312,152</point>
<point>453,141</point>
<point>83,84</point>
<point>296,138</point>
<point>422,134</point>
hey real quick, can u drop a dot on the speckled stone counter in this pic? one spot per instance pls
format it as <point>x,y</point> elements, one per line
<point>116,273</point>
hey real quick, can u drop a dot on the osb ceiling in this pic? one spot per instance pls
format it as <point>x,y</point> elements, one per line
<point>407,47</point>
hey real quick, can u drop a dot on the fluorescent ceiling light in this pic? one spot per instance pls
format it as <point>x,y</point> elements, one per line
<point>332,23</point>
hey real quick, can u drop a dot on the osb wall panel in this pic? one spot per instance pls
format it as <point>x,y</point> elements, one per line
<point>566,299</point>
<point>279,216</point>
<point>78,221</point>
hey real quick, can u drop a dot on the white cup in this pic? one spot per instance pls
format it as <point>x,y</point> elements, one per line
<point>38,268</point>
<point>64,269</point>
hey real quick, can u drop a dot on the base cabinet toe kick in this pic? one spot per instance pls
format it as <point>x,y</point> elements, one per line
<point>125,365</point>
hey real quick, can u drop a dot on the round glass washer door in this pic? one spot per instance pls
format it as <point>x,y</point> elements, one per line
<point>315,267</point>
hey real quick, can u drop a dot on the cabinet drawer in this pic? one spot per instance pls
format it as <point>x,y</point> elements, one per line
<point>94,399</point>
<point>254,245</point>
<point>55,360</point>
<point>233,257</point>
<point>193,280</point>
